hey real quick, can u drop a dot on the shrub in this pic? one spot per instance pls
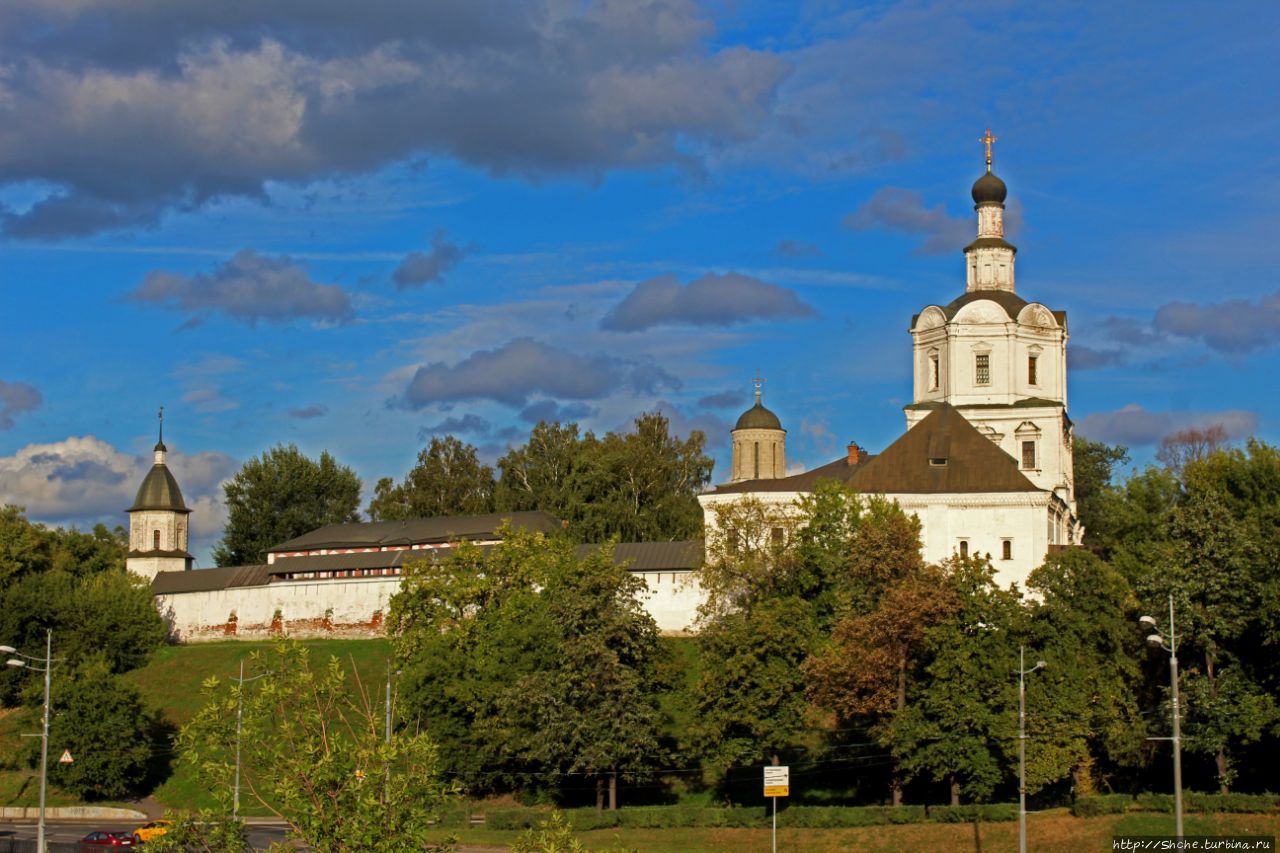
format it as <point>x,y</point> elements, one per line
<point>1101,804</point>
<point>991,812</point>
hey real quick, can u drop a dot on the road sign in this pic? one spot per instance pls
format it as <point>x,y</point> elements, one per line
<point>777,781</point>
<point>66,757</point>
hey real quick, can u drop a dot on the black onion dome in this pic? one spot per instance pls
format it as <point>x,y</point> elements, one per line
<point>988,189</point>
<point>758,417</point>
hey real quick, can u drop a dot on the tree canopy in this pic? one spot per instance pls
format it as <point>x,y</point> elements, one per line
<point>280,495</point>
<point>448,480</point>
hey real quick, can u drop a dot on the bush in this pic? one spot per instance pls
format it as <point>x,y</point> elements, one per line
<point>1102,804</point>
<point>822,817</point>
<point>992,812</point>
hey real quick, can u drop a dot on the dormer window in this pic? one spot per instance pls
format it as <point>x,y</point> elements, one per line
<point>938,462</point>
<point>982,369</point>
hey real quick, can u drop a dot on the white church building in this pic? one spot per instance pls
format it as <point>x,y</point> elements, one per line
<point>985,464</point>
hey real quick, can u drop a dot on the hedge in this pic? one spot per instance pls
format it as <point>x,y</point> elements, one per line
<point>1192,802</point>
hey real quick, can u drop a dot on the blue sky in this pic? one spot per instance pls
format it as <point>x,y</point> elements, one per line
<point>352,226</point>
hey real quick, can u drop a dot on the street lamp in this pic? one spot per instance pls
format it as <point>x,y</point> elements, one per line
<point>235,791</point>
<point>1155,640</point>
<point>27,662</point>
<point>1023,672</point>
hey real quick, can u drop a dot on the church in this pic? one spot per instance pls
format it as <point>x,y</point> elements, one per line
<point>985,463</point>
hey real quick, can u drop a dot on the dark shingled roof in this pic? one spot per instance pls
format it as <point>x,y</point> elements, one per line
<point>363,560</point>
<point>653,556</point>
<point>972,462</point>
<point>419,531</point>
<point>991,243</point>
<point>209,580</point>
<point>159,490</point>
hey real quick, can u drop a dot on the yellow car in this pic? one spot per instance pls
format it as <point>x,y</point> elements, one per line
<point>149,831</point>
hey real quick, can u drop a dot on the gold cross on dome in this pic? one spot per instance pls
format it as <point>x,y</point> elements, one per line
<point>987,139</point>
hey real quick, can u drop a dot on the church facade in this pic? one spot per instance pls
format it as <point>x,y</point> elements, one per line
<point>985,464</point>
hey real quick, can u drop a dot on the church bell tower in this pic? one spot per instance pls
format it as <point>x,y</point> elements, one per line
<point>759,443</point>
<point>158,521</point>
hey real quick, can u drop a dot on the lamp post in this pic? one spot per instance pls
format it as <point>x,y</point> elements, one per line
<point>235,791</point>
<point>1156,640</point>
<point>25,662</point>
<point>386,784</point>
<point>1023,672</point>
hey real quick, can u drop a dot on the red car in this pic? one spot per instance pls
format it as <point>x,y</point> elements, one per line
<point>98,840</point>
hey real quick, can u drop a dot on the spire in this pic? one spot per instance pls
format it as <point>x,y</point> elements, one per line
<point>160,448</point>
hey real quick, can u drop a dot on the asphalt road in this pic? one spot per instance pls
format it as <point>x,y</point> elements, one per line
<point>260,836</point>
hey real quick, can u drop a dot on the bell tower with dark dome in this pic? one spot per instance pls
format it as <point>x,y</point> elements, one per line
<point>989,259</point>
<point>158,528</point>
<point>759,444</point>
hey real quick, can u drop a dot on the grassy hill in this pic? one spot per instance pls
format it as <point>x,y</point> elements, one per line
<point>171,682</point>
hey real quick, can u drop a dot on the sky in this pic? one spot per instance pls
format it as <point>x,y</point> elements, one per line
<point>352,227</point>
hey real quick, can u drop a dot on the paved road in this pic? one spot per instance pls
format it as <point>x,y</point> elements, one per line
<point>260,836</point>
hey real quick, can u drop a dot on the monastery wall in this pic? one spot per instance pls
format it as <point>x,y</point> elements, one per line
<point>358,607</point>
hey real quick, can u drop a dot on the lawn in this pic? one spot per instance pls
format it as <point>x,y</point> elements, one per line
<point>1053,832</point>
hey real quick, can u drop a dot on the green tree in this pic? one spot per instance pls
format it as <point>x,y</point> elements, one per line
<point>523,660</point>
<point>1083,720</point>
<point>960,727</point>
<point>1095,468</point>
<point>448,480</point>
<point>547,473</point>
<point>315,755</point>
<point>107,727</point>
<point>280,495</point>
<point>750,704</point>
<point>206,832</point>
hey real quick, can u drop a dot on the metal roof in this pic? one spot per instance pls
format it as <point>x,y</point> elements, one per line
<point>159,490</point>
<point>419,531</point>
<point>209,580</point>
<point>652,556</point>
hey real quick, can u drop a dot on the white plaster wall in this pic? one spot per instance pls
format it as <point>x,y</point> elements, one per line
<point>673,600</point>
<point>149,567</point>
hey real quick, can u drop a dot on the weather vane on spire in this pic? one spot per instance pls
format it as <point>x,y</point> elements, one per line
<point>161,416</point>
<point>759,380</point>
<point>987,139</point>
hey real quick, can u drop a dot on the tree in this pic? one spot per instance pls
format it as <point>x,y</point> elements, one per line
<point>523,659</point>
<point>1190,445</point>
<point>547,473</point>
<point>1095,467</point>
<point>280,495</point>
<point>316,756</point>
<point>959,728</point>
<point>1085,721</point>
<point>102,720</point>
<point>635,486</point>
<point>448,480</point>
<point>865,673</point>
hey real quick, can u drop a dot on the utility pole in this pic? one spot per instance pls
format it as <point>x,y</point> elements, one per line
<point>25,663</point>
<point>235,790</point>
<point>386,784</point>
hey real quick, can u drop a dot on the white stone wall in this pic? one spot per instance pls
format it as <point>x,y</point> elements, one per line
<point>358,607</point>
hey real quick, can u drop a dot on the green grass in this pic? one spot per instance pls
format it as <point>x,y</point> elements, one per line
<point>171,682</point>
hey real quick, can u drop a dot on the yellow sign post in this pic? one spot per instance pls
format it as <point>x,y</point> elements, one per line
<point>777,783</point>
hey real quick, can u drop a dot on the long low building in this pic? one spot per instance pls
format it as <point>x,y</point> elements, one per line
<point>338,580</point>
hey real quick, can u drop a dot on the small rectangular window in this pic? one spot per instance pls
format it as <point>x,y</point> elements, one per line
<point>1006,549</point>
<point>964,548</point>
<point>1028,454</point>
<point>983,369</point>
<point>1031,371</point>
<point>938,462</point>
<point>776,534</point>
<point>933,373</point>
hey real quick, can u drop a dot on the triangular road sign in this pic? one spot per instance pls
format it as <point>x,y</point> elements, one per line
<point>66,757</point>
